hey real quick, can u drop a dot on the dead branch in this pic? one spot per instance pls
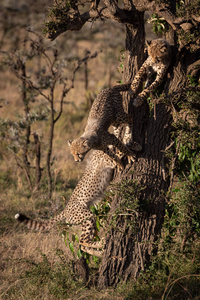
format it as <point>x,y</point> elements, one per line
<point>65,90</point>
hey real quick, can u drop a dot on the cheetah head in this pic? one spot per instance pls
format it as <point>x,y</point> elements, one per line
<point>158,49</point>
<point>79,148</point>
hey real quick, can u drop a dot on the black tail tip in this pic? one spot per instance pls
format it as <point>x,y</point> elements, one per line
<point>20,217</point>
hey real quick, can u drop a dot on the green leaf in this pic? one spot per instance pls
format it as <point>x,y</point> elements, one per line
<point>95,259</point>
<point>159,28</point>
<point>98,224</point>
<point>71,247</point>
<point>65,241</point>
<point>79,253</point>
<point>76,238</point>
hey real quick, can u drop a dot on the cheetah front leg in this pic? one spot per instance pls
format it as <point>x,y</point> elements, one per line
<point>144,94</point>
<point>138,78</point>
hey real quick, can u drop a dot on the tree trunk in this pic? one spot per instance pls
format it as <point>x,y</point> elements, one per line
<point>129,249</point>
<point>49,152</point>
<point>37,164</point>
<point>28,127</point>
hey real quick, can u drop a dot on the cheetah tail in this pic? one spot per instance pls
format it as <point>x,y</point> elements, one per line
<point>34,224</point>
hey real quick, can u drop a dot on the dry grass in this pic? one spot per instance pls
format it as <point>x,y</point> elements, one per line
<point>19,246</point>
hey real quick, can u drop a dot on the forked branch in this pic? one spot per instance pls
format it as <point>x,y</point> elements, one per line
<point>68,17</point>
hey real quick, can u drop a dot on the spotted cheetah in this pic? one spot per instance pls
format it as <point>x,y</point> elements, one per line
<point>89,190</point>
<point>157,62</point>
<point>107,110</point>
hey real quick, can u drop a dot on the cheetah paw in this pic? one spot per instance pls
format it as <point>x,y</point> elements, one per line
<point>130,159</point>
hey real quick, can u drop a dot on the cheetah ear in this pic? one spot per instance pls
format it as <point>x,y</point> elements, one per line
<point>69,142</point>
<point>148,43</point>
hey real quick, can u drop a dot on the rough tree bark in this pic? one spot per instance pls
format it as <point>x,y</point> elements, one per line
<point>129,251</point>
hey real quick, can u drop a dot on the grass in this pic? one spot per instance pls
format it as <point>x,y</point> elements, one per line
<point>28,258</point>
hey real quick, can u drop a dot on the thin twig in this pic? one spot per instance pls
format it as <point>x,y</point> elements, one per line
<point>173,282</point>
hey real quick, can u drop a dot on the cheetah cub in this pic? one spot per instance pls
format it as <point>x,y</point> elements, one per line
<point>157,62</point>
<point>89,190</point>
<point>107,110</point>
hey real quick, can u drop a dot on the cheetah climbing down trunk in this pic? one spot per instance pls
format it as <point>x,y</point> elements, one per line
<point>107,110</point>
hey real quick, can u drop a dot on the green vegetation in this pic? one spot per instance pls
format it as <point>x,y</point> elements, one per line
<point>159,25</point>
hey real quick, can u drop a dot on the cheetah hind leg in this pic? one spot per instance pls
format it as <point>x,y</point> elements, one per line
<point>91,251</point>
<point>87,235</point>
<point>91,247</point>
<point>122,149</point>
<point>114,157</point>
<point>95,245</point>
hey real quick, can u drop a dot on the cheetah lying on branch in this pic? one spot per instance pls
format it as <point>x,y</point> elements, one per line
<point>89,190</point>
<point>157,62</point>
<point>107,110</point>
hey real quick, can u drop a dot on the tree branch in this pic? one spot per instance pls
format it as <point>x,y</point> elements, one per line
<point>160,9</point>
<point>72,20</point>
<point>65,90</point>
<point>75,21</point>
<point>114,11</point>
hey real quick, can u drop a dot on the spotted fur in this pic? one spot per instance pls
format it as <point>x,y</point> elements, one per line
<point>157,62</point>
<point>89,190</point>
<point>106,110</point>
